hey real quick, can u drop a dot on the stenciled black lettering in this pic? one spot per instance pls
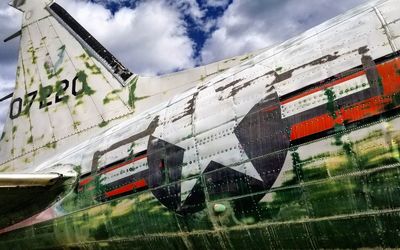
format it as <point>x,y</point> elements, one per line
<point>17,101</point>
<point>44,94</point>
<point>30,98</point>
<point>76,92</point>
<point>61,89</point>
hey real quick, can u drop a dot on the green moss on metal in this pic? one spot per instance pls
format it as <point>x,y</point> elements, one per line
<point>4,169</point>
<point>44,92</point>
<point>86,90</point>
<point>76,124</point>
<point>51,145</point>
<point>2,136</point>
<point>84,56</point>
<point>245,58</point>
<point>14,129</point>
<point>60,92</point>
<point>59,89</point>
<point>79,102</point>
<point>30,140</point>
<point>93,68</point>
<point>18,71</point>
<point>50,71</point>
<point>32,51</point>
<point>330,106</point>
<point>103,124</point>
<point>111,96</point>
<point>132,89</point>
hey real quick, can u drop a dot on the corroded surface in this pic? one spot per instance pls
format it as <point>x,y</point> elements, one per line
<point>299,145</point>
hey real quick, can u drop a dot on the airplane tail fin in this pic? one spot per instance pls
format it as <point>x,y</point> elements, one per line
<point>67,84</point>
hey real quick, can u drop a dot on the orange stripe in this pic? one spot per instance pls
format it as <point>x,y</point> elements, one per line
<point>126,188</point>
<point>85,181</point>
<point>390,80</point>
<point>390,73</point>
<point>357,112</point>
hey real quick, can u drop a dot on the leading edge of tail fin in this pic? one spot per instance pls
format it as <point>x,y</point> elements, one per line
<point>68,87</point>
<point>36,9</point>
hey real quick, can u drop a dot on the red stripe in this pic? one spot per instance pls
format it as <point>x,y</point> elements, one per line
<point>390,76</point>
<point>311,91</point>
<point>269,109</point>
<point>85,181</point>
<point>129,187</point>
<point>123,164</point>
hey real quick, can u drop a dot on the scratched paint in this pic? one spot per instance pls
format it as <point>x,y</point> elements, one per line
<point>325,176</point>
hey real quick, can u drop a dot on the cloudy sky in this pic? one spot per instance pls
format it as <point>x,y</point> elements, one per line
<point>161,36</point>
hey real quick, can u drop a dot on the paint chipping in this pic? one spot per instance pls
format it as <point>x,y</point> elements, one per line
<point>288,74</point>
<point>189,109</point>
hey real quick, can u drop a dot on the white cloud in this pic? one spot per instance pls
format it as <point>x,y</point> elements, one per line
<point>217,3</point>
<point>248,25</point>
<point>149,39</point>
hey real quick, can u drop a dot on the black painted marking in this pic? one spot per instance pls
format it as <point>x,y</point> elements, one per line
<point>6,97</point>
<point>150,130</point>
<point>165,167</point>
<point>16,34</point>
<point>262,133</point>
<point>18,102</point>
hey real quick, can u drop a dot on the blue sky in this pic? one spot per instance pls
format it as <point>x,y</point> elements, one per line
<point>153,37</point>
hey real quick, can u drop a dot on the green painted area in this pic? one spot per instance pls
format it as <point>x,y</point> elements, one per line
<point>132,88</point>
<point>2,136</point>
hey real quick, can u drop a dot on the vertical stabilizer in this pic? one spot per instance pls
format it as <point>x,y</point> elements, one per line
<point>68,86</point>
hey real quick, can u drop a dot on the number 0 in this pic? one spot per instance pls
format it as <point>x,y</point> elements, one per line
<point>18,103</point>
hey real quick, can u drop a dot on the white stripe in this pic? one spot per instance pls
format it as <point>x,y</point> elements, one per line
<point>319,98</point>
<point>125,171</point>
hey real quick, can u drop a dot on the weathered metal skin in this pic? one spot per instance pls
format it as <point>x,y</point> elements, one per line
<point>297,147</point>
